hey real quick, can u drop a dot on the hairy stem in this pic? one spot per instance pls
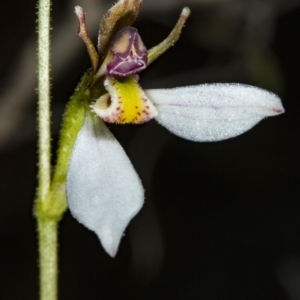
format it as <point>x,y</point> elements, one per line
<point>43,98</point>
<point>50,209</point>
<point>47,228</point>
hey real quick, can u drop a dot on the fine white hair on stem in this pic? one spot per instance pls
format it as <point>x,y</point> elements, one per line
<point>213,112</point>
<point>103,190</point>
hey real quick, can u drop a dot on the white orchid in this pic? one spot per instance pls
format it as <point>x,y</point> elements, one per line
<point>104,191</point>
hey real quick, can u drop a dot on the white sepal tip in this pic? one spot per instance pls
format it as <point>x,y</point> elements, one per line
<point>104,191</point>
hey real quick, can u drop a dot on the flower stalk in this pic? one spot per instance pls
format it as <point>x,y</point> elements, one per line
<point>50,209</point>
<point>47,228</point>
<point>43,98</point>
<point>51,200</point>
<point>47,234</point>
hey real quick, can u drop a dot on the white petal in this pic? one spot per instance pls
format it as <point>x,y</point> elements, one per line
<point>103,190</point>
<point>213,112</point>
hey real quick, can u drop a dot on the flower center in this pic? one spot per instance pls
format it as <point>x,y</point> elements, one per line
<point>125,102</point>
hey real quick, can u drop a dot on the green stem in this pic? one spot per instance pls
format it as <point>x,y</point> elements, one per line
<point>49,210</point>
<point>51,200</point>
<point>43,98</point>
<point>55,203</point>
<point>47,229</point>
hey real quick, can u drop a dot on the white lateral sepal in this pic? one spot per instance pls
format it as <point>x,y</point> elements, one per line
<point>213,112</point>
<point>104,191</point>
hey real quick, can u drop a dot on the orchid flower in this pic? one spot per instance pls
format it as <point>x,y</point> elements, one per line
<point>104,191</point>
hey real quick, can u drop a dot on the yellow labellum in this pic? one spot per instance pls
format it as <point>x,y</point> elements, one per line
<point>126,102</point>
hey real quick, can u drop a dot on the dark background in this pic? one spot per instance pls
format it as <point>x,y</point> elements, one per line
<point>221,220</point>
